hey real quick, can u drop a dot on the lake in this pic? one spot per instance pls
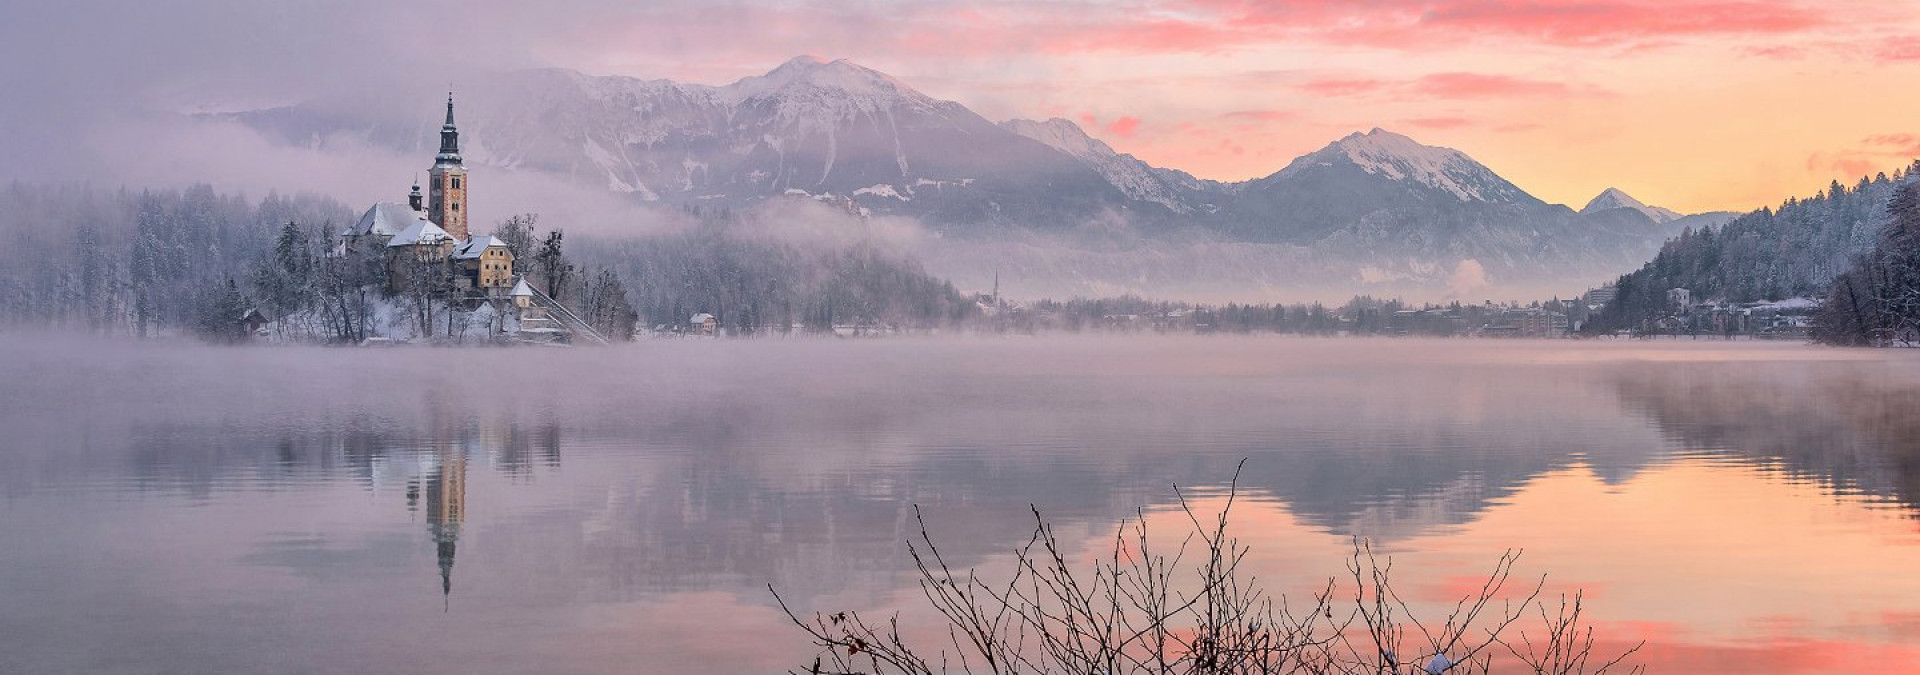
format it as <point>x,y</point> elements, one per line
<point>1741,507</point>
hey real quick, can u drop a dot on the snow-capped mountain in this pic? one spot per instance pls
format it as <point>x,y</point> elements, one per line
<point>1368,207</point>
<point>1614,198</point>
<point>810,126</point>
<point>1398,158</point>
<point>1177,190</point>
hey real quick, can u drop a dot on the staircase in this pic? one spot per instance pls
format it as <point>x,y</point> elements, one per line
<point>557,313</point>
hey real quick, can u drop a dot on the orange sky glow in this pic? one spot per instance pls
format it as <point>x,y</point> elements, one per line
<point>1692,104</point>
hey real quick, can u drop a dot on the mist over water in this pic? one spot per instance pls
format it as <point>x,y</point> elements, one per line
<point>175,508</point>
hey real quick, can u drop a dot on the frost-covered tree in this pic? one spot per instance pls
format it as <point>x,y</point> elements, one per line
<point>551,266</point>
<point>517,233</point>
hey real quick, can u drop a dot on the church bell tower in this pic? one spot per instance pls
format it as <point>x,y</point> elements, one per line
<point>447,199</point>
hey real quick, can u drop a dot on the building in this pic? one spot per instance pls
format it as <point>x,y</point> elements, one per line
<point>447,195</point>
<point>1602,295</point>
<point>424,249</point>
<point>485,264</point>
<point>431,230</point>
<point>703,324</point>
<point>1680,299</point>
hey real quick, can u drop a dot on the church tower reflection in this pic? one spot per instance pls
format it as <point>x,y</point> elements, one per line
<point>447,509</point>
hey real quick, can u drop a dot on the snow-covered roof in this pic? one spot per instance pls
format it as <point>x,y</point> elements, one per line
<point>520,289</point>
<point>702,317</point>
<point>1788,304</point>
<point>386,219</point>
<point>422,231</point>
<point>472,248</point>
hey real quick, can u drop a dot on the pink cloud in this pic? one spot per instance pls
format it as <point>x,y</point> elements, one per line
<point>1266,116</point>
<point>1124,127</point>
<point>1342,87</point>
<point>1899,49</point>
<point>1439,122</point>
<point>1871,155</point>
<point>1442,85</point>
<point>1588,22</point>
<point>1478,85</point>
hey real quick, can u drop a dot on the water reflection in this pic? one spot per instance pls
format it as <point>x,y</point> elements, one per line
<point>1854,427</point>
<point>339,495</point>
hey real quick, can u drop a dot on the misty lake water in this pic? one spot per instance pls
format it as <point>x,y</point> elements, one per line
<point>182,509</point>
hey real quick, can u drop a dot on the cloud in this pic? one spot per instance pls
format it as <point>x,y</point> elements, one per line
<point>1265,116</point>
<point>1468,276</point>
<point>1904,48</point>
<point>1124,127</point>
<point>1482,85</point>
<point>1871,155</point>
<point>1439,122</point>
<point>1445,85</point>
<point>1343,87</point>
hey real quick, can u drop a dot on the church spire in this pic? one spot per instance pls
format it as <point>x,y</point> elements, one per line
<point>447,196</point>
<point>449,138</point>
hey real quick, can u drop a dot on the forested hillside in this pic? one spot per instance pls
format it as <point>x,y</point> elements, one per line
<point>1795,250</point>
<point>128,262</point>
<point>1876,302</point>
<point>752,282</point>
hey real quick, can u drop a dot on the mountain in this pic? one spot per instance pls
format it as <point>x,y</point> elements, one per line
<point>808,127</point>
<point>1613,198</point>
<point>1176,190</point>
<point>1769,254</point>
<point>1377,211</point>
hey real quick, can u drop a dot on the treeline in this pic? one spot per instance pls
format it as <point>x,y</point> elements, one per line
<point>1362,315</point>
<point>1876,302</point>
<point>139,263</point>
<point>598,293</point>
<point>1769,254</point>
<point>752,283</point>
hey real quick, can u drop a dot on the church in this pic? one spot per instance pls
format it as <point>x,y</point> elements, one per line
<point>425,247</point>
<point>432,229</point>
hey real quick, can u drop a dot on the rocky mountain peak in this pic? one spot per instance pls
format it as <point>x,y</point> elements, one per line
<point>1615,198</point>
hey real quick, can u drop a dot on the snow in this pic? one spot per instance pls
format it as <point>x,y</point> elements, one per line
<point>810,94</point>
<point>476,246</point>
<point>386,219</point>
<point>882,190</point>
<point>1789,304</point>
<point>1398,157</point>
<point>817,73</point>
<point>422,231</point>
<point>1127,173</point>
<point>520,290</point>
<point>1615,198</point>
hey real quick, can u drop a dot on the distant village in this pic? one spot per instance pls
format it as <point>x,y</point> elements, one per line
<point>1789,319</point>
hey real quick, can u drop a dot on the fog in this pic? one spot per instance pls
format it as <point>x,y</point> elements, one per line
<point>360,510</point>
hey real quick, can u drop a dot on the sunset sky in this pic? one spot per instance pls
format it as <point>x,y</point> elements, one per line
<point>1691,104</point>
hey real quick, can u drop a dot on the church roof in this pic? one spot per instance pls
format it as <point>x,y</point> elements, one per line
<point>472,248</point>
<point>386,219</point>
<point>520,288</point>
<point>422,231</point>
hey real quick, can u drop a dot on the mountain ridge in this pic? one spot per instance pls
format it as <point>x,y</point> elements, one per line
<point>1371,205</point>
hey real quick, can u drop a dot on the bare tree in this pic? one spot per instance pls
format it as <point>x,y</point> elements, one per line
<point>1140,610</point>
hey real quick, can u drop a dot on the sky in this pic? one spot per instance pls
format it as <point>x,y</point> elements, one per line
<point>1691,104</point>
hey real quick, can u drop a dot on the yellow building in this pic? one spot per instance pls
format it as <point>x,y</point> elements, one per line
<point>486,264</point>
